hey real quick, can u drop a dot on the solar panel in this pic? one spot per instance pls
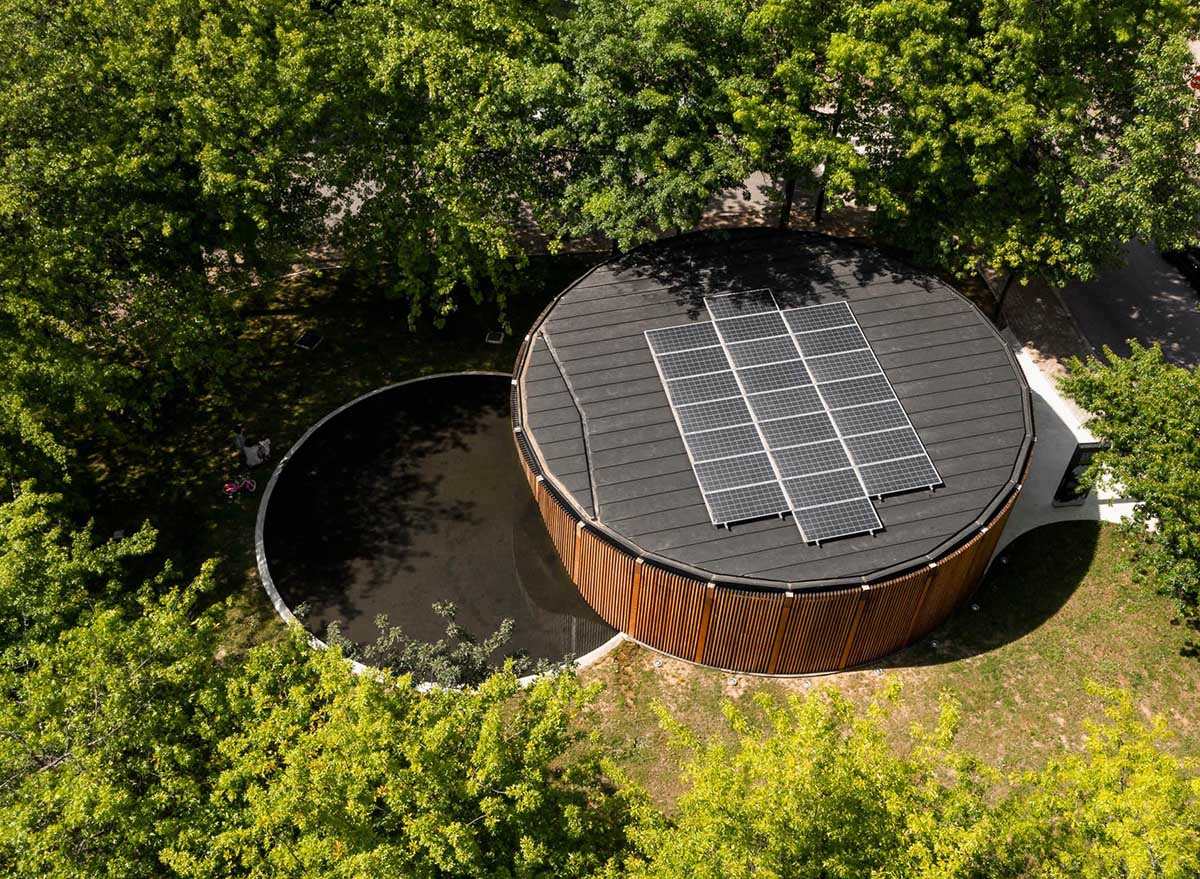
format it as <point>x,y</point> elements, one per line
<point>780,404</point>
<point>869,418</point>
<point>749,502</point>
<point>740,304</point>
<point>838,367</point>
<point>831,341</point>
<point>837,520</point>
<point>872,389</point>
<point>756,326</point>
<point>774,377</point>
<point>815,458</point>
<point>823,488</point>
<point>715,386</point>
<point>723,442</point>
<point>718,413</point>
<point>759,351</point>
<point>893,476</point>
<point>870,448</point>
<point>818,317</point>
<point>681,338</point>
<point>787,410</point>
<point>798,430</point>
<point>733,472</point>
<point>697,361</point>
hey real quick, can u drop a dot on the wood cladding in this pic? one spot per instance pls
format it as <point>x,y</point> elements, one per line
<point>669,611</point>
<point>604,575</point>
<point>803,632</point>
<point>560,522</point>
<point>742,629</point>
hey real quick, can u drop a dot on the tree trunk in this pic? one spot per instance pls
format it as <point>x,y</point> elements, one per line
<point>819,208</point>
<point>1000,299</point>
<point>789,197</point>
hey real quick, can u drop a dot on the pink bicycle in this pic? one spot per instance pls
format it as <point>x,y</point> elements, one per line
<point>237,487</point>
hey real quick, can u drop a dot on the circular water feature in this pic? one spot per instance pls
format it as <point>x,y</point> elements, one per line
<point>409,496</point>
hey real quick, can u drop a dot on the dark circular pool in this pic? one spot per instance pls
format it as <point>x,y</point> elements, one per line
<point>412,495</point>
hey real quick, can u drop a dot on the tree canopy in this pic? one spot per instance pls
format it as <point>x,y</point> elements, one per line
<point>1144,410</point>
<point>818,789</point>
<point>158,156</point>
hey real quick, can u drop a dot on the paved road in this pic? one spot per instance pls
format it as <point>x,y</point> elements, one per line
<point>1147,300</point>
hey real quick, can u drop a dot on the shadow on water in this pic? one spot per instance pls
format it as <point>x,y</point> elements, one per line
<point>813,271</point>
<point>414,496</point>
<point>1025,587</point>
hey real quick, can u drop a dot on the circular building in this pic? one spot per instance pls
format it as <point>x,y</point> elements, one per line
<point>768,451</point>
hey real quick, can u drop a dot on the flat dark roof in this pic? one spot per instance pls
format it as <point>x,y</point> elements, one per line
<point>597,417</point>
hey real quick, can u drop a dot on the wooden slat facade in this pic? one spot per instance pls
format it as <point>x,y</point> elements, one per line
<point>560,522</point>
<point>604,576</point>
<point>817,630</point>
<point>742,630</point>
<point>669,611</point>
<point>806,632</point>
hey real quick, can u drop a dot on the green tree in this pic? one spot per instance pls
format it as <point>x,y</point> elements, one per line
<point>434,159</point>
<point>822,792</point>
<point>152,154</point>
<point>50,574</point>
<point>1039,137</point>
<point>106,733</point>
<point>332,774</point>
<point>649,125</point>
<point>789,99</point>
<point>1144,409</point>
<point>1125,807</point>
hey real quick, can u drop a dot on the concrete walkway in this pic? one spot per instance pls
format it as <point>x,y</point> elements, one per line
<point>1059,426</point>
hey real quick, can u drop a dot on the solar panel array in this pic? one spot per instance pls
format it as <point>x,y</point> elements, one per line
<point>787,410</point>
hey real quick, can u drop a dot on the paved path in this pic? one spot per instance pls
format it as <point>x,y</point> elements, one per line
<point>1147,300</point>
<point>1059,429</point>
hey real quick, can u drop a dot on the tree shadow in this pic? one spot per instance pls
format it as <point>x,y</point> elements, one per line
<point>800,268</point>
<point>1027,584</point>
<point>412,497</point>
<point>366,498</point>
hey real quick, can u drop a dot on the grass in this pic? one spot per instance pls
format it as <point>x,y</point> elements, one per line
<point>1061,610</point>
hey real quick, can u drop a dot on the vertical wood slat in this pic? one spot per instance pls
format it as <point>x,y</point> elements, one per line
<point>604,576</point>
<point>887,612</point>
<point>634,594</point>
<point>916,614</point>
<point>816,631</point>
<point>742,628</point>
<point>705,620</point>
<point>669,608</point>
<point>948,579</point>
<point>780,627</point>
<point>560,522</point>
<point>858,613</point>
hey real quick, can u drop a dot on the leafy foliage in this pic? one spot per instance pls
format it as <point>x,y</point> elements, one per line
<point>1039,137</point>
<point>151,154</point>
<point>50,575</point>
<point>458,660</point>
<point>820,790</point>
<point>106,733</point>
<point>648,124</point>
<point>332,774</point>
<point>1145,410</point>
<point>1122,808</point>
